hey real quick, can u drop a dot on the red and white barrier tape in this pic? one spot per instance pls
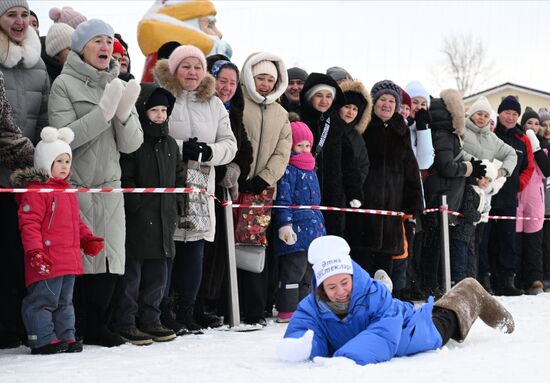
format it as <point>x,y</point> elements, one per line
<point>316,207</point>
<point>106,190</point>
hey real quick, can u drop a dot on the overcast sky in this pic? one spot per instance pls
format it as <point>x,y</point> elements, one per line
<point>397,40</point>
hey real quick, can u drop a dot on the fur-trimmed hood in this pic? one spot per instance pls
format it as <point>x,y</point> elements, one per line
<point>170,82</point>
<point>247,79</point>
<point>358,87</point>
<point>448,112</point>
<point>29,51</point>
<point>23,177</point>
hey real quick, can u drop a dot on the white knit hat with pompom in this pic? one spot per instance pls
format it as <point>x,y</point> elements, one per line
<point>54,143</point>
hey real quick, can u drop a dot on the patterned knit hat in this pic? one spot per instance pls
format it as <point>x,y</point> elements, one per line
<point>386,87</point>
<point>67,15</point>
<point>8,4</point>
<point>58,38</point>
<point>54,143</point>
<point>329,255</point>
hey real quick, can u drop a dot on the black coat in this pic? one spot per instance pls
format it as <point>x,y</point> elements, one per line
<point>151,218</point>
<point>465,227</point>
<point>393,183</point>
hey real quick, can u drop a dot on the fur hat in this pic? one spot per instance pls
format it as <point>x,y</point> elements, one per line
<point>386,87</point>
<point>300,132</point>
<point>7,4</point>
<point>265,67</point>
<point>529,113</point>
<point>481,104</point>
<point>416,89</point>
<point>544,115</point>
<point>58,38</point>
<point>296,73</point>
<point>318,88</point>
<point>510,103</point>
<point>87,31</point>
<point>329,255</point>
<point>181,53</point>
<point>54,143</point>
<point>339,74</point>
<point>67,15</point>
<point>118,47</point>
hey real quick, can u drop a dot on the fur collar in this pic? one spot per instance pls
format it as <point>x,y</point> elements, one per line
<point>205,91</point>
<point>23,177</point>
<point>247,78</point>
<point>29,51</point>
<point>358,87</point>
<point>455,106</point>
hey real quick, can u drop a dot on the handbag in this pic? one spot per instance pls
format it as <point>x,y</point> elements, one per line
<point>196,214</point>
<point>250,257</point>
<point>251,223</point>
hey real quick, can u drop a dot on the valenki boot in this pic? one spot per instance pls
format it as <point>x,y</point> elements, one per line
<point>468,300</point>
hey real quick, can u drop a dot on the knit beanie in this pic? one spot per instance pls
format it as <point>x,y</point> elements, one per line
<point>405,98</point>
<point>181,53</point>
<point>386,87</point>
<point>118,47</point>
<point>338,73</point>
<point>329,255</point>
<point>510,103</point>
<point>87,31</point>
<point>159,97</point>
<point>480,105</point>
<point>416,89</point>
<point>67,15</point>
<point>300,132</point>
<point>319,87</point>
<point>265,67</point>
<point>54,143</point>
<point>544,115</point>
<point>58,38</point>
<point>529,113</point>
<point>296,73</point>
<point>7,4</point>
<point>31,12</point>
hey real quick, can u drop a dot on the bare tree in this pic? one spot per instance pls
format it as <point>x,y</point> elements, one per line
<point>466,61</point>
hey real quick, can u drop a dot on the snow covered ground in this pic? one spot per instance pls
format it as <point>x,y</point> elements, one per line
<point>225,356</point>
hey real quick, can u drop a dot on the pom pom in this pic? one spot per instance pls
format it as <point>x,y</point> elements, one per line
<point>49,134</point>
<point>55,13</point>
<point>66,134</point>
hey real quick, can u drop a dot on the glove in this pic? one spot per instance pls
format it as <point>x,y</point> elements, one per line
<point>110,98</point>
<point>256,185</point>
<point>422,118</point>
<point>287,235</point>
<point>128,100</point>
<point>535,144</point>
<point>39,261</point>
<point>295,349</point>
<point>355,203</point>
<point>384,278</point>
<point>232,174</point>
<point>92,246</point>
<point>478,169</point>
<point>191,150</point>
<point>335,361</point>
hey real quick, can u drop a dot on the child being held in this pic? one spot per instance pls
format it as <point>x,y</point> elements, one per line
<point>52,233</point>
<point>297,227</point>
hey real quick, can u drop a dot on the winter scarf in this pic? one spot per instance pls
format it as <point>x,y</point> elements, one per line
<point>303,161</point>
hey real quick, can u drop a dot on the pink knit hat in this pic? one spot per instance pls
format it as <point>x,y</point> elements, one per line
<point>300,132</point>
<point>67,15</point>
<point>181,53</point>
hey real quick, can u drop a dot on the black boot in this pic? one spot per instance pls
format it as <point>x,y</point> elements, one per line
<point>485,281</point>
<point>208,320</point>
<point>168,317</point>
<point>184,316</point>
<point>506,286</point>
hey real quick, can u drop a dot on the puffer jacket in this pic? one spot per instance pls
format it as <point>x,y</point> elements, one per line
<point>27,83</point>
<point>73,102</point>
<point>201,114</point>
<point>50,222</point>
<point>376,328</point>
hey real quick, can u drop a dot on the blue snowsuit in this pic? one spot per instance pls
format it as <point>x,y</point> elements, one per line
<point>376,329</point>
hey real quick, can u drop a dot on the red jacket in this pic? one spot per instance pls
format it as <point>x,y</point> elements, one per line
<point>51,222</point>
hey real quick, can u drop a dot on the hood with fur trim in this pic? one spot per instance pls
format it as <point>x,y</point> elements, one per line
<point>358,87</point>
<point>170,82</point>
<point>29,51</point>
<point>23,177</point>
<point>448,112</point>
<point>247,79</point>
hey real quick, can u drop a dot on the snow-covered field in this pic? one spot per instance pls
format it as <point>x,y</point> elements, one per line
<point>226,356</point>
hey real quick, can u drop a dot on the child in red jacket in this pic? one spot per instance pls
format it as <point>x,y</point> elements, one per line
<point>52,233</point>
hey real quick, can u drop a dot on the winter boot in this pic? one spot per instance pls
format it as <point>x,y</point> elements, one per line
<point>547,285</point>
<point>74,346</point>
<point>159,333</point>
<point>168,317</point>
<point>468,300</point>
<point>134,336</point>
<point>485,281</point>
<point>536,288</point>
<point>208,320</point>
<point>185,317</point>
<point>284,316</point>
<point>506,286</point>
<point>53,347</point>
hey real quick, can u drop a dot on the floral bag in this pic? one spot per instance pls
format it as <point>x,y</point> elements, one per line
<point>251,223</point>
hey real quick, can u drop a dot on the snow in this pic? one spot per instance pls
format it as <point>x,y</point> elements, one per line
<point>226,356</point>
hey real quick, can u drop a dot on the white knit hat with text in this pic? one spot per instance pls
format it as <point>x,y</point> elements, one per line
<point>329,255</point>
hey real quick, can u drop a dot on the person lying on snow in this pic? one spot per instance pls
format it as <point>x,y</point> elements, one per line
<point>350,316</point>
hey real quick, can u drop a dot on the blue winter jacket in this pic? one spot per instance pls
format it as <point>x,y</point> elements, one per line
<point>298,187</point>
<point>376,329</point>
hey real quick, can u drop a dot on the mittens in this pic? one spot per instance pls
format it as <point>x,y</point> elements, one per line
<point>232,174</point>
<point>192,149</point>
<point>355,203</point>
<point>384,278</point>
<point>335,361</point>
<point>256,185</point>
<point>295,349</point>
<point>128,100</point>
<point>111,98</point>
<point>478,169</point>
<point>287,235</point>
<point>39,261</point>
<point>422,118</point>
<point>92,246</point>
<point>535,144</point>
